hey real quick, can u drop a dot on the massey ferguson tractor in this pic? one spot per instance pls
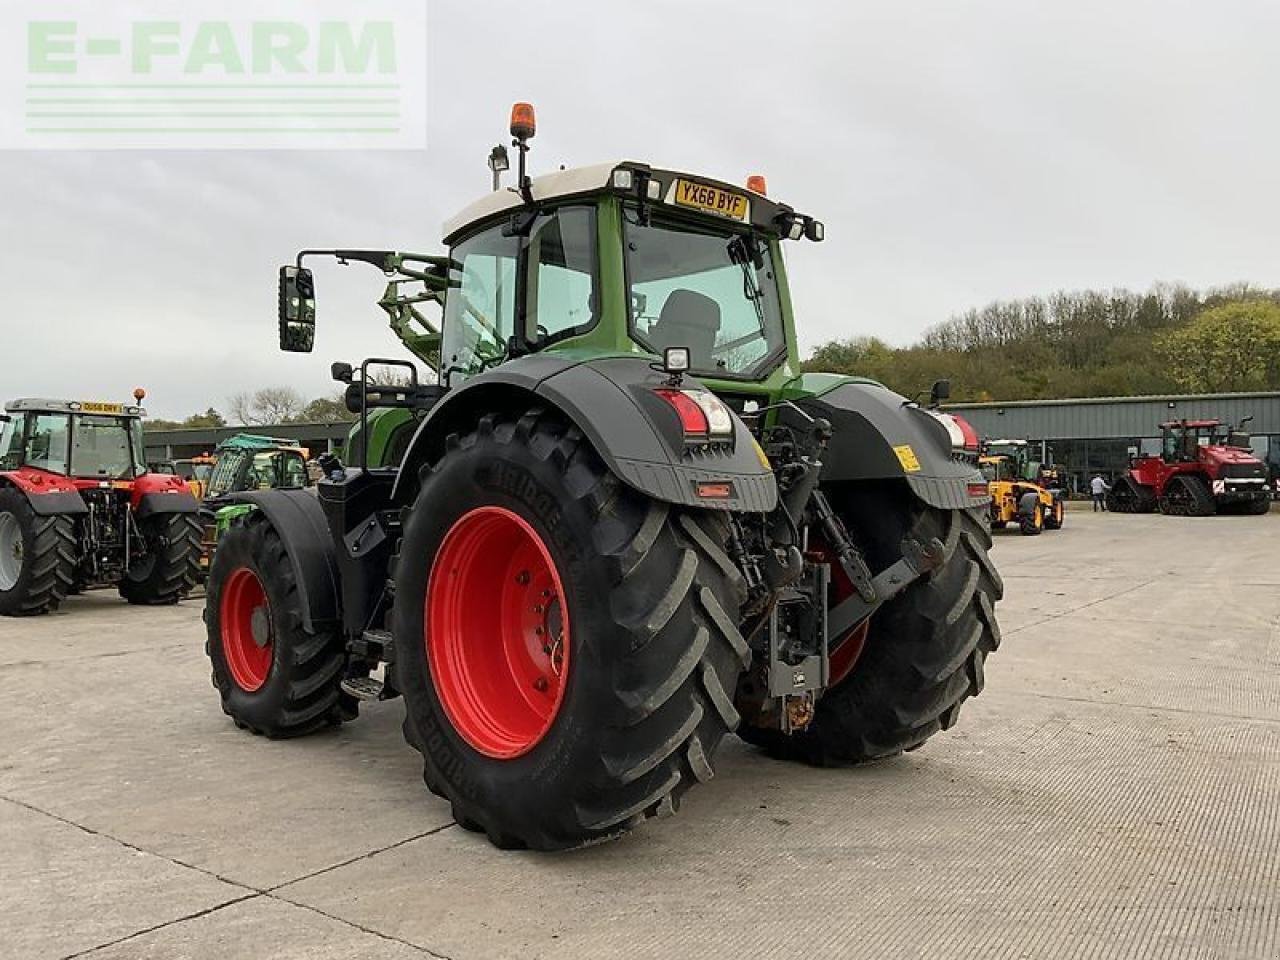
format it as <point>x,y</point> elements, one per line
<point>624,524</point>
<point>1204,467</point>
<point>78,508</point>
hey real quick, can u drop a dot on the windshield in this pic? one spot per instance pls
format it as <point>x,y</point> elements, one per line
<point>106,447</point>
<point>275,470</point>
<point>713,291</point>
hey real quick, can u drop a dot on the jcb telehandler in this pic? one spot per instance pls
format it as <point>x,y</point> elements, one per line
<point>625,526</point>
<point>1017,495</point>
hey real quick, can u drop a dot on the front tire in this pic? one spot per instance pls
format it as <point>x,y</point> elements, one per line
<point>635,600</point>
<point>274,676</point>
<point>924,650</point>
<point>37,557</point>
<point>1056,517</point>
<point>1031,516</point>
<point>171,568</point>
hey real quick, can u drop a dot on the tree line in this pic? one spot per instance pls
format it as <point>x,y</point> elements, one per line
<point>1084,344</point>
<point>260,408</point>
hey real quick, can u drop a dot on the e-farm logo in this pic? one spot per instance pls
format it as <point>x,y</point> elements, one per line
<point>302,74</point>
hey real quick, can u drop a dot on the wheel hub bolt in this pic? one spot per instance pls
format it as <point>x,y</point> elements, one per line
<point>522,578</point>
<point>540,684</point>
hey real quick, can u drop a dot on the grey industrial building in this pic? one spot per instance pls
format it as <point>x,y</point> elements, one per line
<point>1096,435</point>
<point>1100,434</point>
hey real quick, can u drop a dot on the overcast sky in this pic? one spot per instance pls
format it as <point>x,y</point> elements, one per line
<point>958,153</point>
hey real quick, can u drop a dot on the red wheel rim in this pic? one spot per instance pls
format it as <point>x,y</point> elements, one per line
<point>497,632</point>
<point>245,617</point>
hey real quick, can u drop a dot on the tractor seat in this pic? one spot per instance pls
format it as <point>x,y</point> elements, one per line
<point>688,319</point>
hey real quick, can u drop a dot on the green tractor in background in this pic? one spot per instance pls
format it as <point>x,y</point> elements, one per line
<point>616,525</point>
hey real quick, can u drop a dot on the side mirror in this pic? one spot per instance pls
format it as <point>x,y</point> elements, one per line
<point>5,418</point>
<point>297,310</point>
<point>342,372</point>
<point>941,390</point>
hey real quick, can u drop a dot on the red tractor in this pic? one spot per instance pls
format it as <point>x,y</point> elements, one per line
<point>78,508</point>
<point>1204,467</point>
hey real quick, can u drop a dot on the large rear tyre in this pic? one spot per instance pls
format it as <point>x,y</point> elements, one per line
<point>170,569</point>
<point>924,650</point>
<point>37,557</point>
<point>274,676</point>
<point>1187,496</point>
<point>567,648</point>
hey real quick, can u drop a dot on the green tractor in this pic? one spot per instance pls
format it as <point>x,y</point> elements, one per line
<point>623,524</point>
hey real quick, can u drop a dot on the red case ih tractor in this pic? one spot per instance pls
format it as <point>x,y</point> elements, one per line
<point>78,509</point>
<point>1204,467</point>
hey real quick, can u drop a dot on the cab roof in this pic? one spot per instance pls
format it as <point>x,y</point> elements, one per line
<point>102,407</point>
<point>583,181</point>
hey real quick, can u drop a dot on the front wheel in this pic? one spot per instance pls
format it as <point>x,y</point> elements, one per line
<point>275,676</point>
<point>924,650</point>
<point>566,647</point>
<point>1056,516</point>
<point>170,568</point>
<point>1031,516</point>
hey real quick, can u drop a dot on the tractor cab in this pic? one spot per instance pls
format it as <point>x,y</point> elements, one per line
<point>1181,440</point>
<point>1008,460</point>
<point>82,440</point>
<point>617,259</point>
<point>247,462</point>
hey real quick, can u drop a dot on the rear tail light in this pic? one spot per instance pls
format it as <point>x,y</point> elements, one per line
<point>703,418</point>
<point>969,435</point>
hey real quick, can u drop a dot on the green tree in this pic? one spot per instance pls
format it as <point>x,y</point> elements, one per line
<point>325,410</point>
<point>1232,347</point>
<point>210,418</point>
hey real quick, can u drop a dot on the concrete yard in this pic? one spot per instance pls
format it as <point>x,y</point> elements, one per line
<point>1115,792</point>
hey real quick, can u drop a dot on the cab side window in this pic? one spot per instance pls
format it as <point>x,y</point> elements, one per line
<point>224,473</point>
<point>11,443</point>
<point>561,278</point>
<point>47,442</point>
<point>480,307</point>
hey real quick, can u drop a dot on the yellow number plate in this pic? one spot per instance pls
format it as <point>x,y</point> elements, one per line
<point>707,199</point>
<point>91,406</point>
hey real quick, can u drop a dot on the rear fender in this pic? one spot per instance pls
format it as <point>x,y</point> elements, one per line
<point>49,494</point>
<point>881,435</point>
<point>612,402</point>
<point>298,519</point>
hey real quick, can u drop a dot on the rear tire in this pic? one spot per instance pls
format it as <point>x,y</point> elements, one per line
<point>1256,508</point>
<point>1187,496</point>
<point>649,605</point>
<point>275,677</point>
<point>925,649</point>
<point>1126,496</point>
<point>38,569</point>
<point>171,568</point>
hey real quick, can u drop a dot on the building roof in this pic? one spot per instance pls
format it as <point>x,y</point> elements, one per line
<point>1083,401</point>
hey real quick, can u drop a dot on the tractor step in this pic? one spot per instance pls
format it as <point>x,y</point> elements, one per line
<point>364,688</point>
